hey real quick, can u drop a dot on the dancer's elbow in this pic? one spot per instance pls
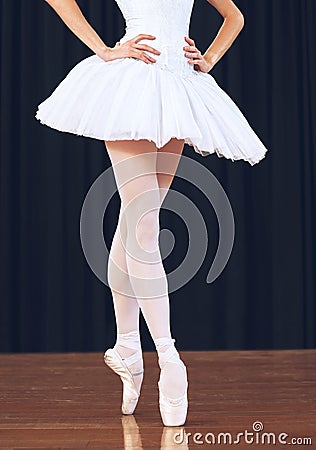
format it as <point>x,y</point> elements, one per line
<point>238,18</point>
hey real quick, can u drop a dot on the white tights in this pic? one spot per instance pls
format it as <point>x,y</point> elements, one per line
<point>135,271</point>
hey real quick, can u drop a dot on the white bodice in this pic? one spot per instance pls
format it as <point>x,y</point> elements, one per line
<point>169,21</point>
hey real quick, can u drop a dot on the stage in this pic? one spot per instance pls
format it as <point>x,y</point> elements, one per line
<point>72,400</point>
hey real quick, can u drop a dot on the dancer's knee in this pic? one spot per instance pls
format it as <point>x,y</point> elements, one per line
<point>147,231</point>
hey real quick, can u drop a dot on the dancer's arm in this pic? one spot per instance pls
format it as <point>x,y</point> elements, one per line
<point>231,27</point>
<point>71,15</point>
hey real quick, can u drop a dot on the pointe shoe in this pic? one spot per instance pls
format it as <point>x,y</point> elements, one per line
<point>120,366</point>
<point>173,411</point>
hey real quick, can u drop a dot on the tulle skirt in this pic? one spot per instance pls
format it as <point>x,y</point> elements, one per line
<point>128,99</point>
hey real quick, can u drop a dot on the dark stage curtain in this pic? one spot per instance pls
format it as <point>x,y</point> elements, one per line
<point>265,297</point>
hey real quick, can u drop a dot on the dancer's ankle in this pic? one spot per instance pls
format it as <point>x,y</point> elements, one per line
<point>128,345</point>
<point>173,377</point>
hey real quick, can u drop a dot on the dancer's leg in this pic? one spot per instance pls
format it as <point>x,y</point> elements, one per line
<point>143,168</point>
<point>134,164</point>
<point>125,303</point>
<point>126,307</point>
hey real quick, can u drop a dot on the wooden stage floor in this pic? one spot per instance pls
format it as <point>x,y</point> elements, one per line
<point>73,400</point>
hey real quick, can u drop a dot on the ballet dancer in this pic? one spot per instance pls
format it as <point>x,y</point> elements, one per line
<point>150,93</point>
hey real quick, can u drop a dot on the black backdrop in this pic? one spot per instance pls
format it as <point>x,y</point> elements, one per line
<point>265,298</point>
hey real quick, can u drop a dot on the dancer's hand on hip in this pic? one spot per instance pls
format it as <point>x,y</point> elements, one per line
<point>131,49</point>
<point>195,57</point>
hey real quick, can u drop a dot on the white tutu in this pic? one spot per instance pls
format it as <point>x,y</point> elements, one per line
<point>129,99</point>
